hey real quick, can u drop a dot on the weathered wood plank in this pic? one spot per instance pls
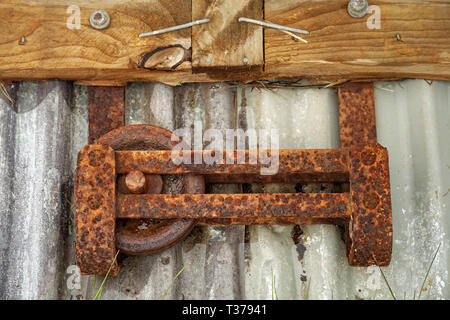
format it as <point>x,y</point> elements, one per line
<point>224,42</point>
<point>51,46</point>
<point>340,45</point>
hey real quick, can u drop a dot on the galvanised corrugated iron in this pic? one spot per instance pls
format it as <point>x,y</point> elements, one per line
<point>40,137</point>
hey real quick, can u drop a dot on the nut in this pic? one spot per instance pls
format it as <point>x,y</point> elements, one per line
<point>99,19</point>
<point>357,8</point>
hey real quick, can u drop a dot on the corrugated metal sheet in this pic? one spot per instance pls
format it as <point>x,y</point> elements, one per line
<point>413,123</point>
<point>35,181</point>
<point>41,135</point>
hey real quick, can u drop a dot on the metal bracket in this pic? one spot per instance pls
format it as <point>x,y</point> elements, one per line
<point>115,181</point>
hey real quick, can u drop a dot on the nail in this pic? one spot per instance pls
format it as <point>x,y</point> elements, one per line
<point>174,28</point>
<point>357,8</point>
<point>272,25</point>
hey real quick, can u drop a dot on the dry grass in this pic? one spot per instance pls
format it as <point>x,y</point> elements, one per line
<point>5,92</point>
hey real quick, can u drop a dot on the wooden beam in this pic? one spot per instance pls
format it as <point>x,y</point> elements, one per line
<point>345,47</point>
<point>339,47</point>
<point>225,43</point>
<point>56,46</point>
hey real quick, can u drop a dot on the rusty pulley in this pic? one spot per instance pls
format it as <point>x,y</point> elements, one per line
<point>146,236</point>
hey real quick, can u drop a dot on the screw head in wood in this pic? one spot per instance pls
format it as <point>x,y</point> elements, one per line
<point>99,19</point>
<point>357,8</point>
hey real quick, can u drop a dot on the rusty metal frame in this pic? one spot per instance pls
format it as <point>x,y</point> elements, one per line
<point>95,195</point>
<point>364,210</point>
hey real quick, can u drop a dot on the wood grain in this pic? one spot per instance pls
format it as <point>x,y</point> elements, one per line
<point>224,42</point>
<point>342,46</point>
<point>51,46</point>
<point>339,47</point>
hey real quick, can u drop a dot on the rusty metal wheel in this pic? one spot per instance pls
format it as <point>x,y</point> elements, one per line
<point>147,236</point>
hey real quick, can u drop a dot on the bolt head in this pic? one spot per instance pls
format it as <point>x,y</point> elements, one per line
<point>357,8</point>
<point>245,60</point>
<point>135,181</point>
<point>99,19</point>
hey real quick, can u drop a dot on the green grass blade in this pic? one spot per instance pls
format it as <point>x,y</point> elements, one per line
<point>387,283</point>
<point>99,292</point>
<point>428,271</point>
<point>307,289</point>
<point>173,281</point>
<point>93,286</point>
<point>274,289</point>
<point>271,269</point>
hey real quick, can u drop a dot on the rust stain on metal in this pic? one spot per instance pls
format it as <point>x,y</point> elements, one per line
<point>321,165</point>
<point>138,137</point>
<point>357,114</point>
<point>369,235</point>
<point>159,199</point>
<point>95,196</point>
<point>146,236</point>
<point>106,110</point>
<point>151,222</point>
<point>154,183</point>
<point>252,208</point>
